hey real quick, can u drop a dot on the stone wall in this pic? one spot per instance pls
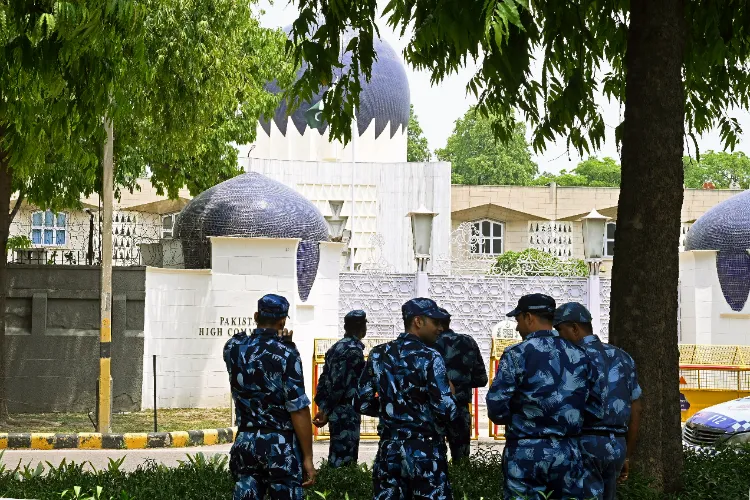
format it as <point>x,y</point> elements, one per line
<point>52,336</point>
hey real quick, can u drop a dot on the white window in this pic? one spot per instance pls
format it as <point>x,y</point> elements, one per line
<point>490,237</point>
<point>167,226</point>
<point>609,239</point>
<point>49,229</point>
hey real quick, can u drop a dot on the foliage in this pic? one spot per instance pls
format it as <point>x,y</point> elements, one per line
<point>592,172</point>
<point>537,263</point>
<point>706,477</point>
<point>723,170</point>
<point>417,148</point>
<point>477,157</point>
<point>19,242</point>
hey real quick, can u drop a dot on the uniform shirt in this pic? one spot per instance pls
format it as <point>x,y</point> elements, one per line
<point>464,364</point>
<point>406,386</point>
<point>266,380</point>
<point>337,385</point>
<point>621,385</point>
<point>541,388</point>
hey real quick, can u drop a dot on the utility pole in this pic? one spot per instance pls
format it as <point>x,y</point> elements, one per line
<point>104,413</point>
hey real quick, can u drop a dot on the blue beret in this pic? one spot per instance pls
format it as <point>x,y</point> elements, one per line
<point>273,306</point>
<point>356,316</point>
<point>422,307</point>
<point>572,312</point>
<point>534,303</point>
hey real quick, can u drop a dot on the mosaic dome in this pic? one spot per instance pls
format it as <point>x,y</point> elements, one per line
<point>253,205</point>
<point>726,228</point>
<point>385,98</point>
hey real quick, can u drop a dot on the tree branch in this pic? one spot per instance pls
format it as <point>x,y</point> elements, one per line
<point>16,207</point>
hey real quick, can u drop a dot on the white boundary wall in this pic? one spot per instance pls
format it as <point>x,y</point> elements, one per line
<point>190,314</point>
<point>705,315</point>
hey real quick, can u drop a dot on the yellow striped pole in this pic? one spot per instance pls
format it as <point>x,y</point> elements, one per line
<point>104,412</point>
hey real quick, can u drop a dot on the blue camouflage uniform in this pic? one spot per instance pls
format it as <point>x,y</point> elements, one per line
<point>406,386</point>
<point>603,441</point>
<point>466,370</point>
<point>267,385</point>
<point>337,387</point>
<point>539,394</point>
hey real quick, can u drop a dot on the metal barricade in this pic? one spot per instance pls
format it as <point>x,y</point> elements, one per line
<point>369,425</point>
<point>708,385</point>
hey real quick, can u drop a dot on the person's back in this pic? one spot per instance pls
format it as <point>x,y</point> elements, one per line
<point>539,393</point>
<point>405,384</point>
<point>411,404</point>
<point>604,440</point>
<point>549,377</point>
<point>466,371</point>
<point>273,449</point>
<point>337,388</point>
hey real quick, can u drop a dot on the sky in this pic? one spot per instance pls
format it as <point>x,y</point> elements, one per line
<point>438,107</point>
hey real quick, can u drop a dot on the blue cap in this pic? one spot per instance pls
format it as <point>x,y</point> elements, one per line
<point>355,316</point>
<point>273,306</point>
<point>445,312</point>
<point>572,312</point>
<point>535,303</point>
<point>422,307</point>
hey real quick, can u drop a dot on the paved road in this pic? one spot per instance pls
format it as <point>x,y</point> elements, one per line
<point>167,456</point>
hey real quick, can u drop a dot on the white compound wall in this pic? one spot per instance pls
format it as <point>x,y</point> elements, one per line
<point>190,314</point>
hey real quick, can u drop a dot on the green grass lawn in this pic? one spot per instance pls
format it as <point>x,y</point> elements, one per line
<point>182,419</point>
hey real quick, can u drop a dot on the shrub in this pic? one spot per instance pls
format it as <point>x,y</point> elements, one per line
<point>533,262</point>
<point>725,475</point>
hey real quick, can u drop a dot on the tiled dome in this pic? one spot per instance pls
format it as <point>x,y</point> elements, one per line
<point>385,98</point>
<point>726,228</point>
<point>253,205</point>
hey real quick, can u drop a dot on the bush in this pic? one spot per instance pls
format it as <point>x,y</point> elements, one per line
<point>533,262</point>
<point>725,475</point>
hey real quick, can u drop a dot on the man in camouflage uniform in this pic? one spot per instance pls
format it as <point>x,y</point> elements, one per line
<point>466,370</point>
<point>539,392</point>
<point>337,388</point>
<point>273,448</point>
<point>606,443</point>
<point>406,386</point>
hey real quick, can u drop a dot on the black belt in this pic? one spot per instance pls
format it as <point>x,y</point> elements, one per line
<point>515,439</point>
<point>597,432</point>
<point>247,428</point>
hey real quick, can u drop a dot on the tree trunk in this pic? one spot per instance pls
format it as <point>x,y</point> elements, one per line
<point>6,177</point>
<point>643,318</point>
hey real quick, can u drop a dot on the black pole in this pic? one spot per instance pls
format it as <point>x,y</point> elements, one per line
<point>155,421</point>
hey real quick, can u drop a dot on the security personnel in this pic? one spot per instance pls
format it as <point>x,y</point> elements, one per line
<point>606,443</point>
<point>273,448</point>
<point>406,386</point>
<point>337,387</point>
<point>539,392</point>
<point>466,370</point>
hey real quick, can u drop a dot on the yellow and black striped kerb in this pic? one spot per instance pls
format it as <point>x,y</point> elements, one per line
<point>129,441</point>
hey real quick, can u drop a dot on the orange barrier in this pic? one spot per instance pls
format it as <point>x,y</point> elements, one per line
<point>704,385</point>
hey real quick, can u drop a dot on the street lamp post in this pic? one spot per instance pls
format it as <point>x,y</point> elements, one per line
<point>593,250</point>
<point>421,228</point>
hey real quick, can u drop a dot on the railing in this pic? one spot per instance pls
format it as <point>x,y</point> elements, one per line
<point>65,257</point>
<point>369,425</point>
<point>707,385</point>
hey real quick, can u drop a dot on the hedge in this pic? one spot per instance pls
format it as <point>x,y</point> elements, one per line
<point>725,475</point>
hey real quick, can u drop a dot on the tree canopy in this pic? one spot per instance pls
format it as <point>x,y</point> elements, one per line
<point>723,170</point>
<point>678,66</point>
<point>592,172</point>
<point>417,148</point>
<point>179,80</point>
<point>477,157</point>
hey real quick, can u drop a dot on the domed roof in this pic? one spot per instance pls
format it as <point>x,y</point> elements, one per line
<point>723,227</point>
<point>726,228</point>
<point>255,206</point>
<point>385,98</point>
